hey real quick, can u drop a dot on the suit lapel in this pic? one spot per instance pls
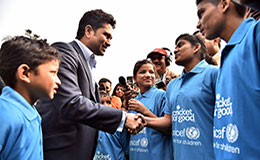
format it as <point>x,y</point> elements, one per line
<point>86,68</point>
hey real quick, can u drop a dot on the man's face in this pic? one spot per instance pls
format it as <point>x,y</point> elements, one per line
<point>210,19</point>
<point>159,62</point>
<point>44,81</point>
<point>107,86</point>
<point>100,39</point>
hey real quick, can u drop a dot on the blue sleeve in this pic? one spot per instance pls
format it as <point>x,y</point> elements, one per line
<point>10,129</point>
<point>214,75</point>
<point>5,128</point>
<point>161,104</point>
<point>124,140</point>
<point>167,108</point>
<point>257,38</point>
<point>3,135</point>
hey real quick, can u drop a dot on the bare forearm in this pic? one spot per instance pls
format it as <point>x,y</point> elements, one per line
<point>162,124</point>
<point>148,113</point>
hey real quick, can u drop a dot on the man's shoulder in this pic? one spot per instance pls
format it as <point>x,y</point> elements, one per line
<point>68,51</point>
<point>63,45</point>
<point>253,29</point>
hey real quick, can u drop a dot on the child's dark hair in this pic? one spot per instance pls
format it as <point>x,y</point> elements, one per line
<point>22,50</point>
<point>193,39</point>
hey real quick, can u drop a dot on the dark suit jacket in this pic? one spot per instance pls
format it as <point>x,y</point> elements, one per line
<point>70,121</point>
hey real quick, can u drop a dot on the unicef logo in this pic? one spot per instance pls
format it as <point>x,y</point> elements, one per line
<point>192,133</point>
<point>232,133</point>
<point>144,142</point>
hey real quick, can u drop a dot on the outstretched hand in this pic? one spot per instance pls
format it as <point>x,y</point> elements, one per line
<point>134,123</point>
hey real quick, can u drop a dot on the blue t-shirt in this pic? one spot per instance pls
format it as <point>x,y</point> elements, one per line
<point>151,144</point>
<point>112,146</point>
<point>237,110</point>
<point>20,128</point>
<point>191,102</point>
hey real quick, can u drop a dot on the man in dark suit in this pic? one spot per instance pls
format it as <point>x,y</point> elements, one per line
<point>72,119</point>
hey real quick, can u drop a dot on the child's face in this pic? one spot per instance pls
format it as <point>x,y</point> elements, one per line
<point>107,86</point>
<point>44,81</point>
<point>145,76</point>
<point>106,101</point>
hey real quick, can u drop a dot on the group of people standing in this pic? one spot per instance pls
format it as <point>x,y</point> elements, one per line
<point>51,106</point>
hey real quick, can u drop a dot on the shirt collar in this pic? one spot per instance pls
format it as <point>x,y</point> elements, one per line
<point>147,93</point>
<point>241,31</point>
<point>197,69</point>
<point>88,54</point>
<point>19,102</point>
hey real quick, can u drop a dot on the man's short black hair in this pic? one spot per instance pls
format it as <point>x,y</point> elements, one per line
<point>96,19</point>
<point>104,80</point>
<point>241,10</point>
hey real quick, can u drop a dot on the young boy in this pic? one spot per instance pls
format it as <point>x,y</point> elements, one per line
<point>236,115</point>
<point>105,98</point>
<point>111,146</point>
<point>29,69</point>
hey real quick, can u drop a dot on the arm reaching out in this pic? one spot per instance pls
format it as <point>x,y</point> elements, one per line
<point>162,124</point>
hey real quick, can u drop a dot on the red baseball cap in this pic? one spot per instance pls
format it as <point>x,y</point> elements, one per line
<point>158,50</point>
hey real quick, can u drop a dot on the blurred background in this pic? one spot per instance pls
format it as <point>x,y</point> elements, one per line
<point>142,25</point>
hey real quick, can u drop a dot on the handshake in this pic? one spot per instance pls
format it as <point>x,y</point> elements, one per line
<point>135,123</point>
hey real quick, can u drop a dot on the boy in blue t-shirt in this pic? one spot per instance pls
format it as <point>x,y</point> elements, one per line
<point>111,146</point>
<point>190,102</point>
<point>29,69</point>
<point>237,107</point>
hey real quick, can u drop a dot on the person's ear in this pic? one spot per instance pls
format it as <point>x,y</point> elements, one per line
<point>224,5</point>
<point>197,48</point>
<point>216,41</point>
<point>88,30</point>
<point>134,79</point>
<point>23,73</point>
